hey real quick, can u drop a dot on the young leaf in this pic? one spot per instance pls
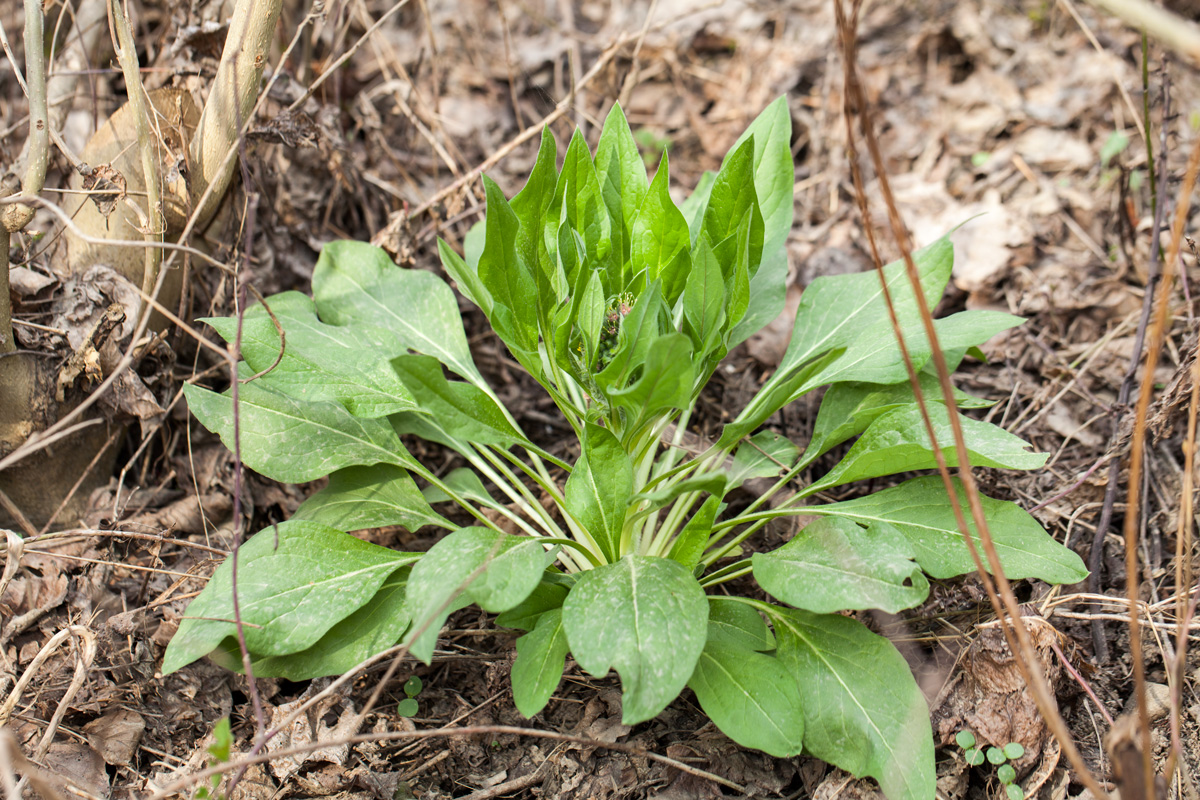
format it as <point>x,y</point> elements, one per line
<point>751,697</point>
<point>355,283</point>
<point>638,330</point>
<point>898,442</point>
<point>920,510</point>
<point>833,565</point>
<point>514,566</point>
<point>665,383</point>
<point>863,710</point>
<point>689,544</point>
<point>578,198</point>
<point>371,629</point>
<point>737,624</point>
<point>732,198</point>
<point>508,278</point>
<point>345,364</point>
<point>466,277</point>
<point>696,204</point>
<point>541,656</point>
<point>370,497</point>
<point>525,615</point>
<point>296,580</point>
<point>622,176</point>
<point>293,441</point>
<point>530,206</point>
<point>599,487</point>
<point>645,616</point>
<point>659,237</point>
<point>704,298</point>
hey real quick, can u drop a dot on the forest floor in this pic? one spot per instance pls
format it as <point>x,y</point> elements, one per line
<point>1018,121</point>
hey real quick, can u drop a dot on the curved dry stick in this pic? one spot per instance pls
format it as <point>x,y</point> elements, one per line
<point>82,664</point>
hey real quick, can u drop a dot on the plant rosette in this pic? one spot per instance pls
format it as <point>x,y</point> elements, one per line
<point>621,305</point>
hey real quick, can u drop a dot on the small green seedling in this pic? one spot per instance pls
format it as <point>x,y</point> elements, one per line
<point>218,753</point>
<point>408,706</point>
<point>1005,773</point>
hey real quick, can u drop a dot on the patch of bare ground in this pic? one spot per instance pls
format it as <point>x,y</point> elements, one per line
<point>1019,122</point>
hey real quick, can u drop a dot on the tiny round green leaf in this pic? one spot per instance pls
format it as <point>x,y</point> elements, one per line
<point>1006,773</point>
<point>1014,750</point>
<point>974,756</point>
<point>407,707</point>
<point>995,755</point>
<point>965,739</point>
<point>1014,792</point>
<point>413,686</point>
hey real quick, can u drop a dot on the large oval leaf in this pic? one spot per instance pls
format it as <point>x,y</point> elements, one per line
<point>645,616</point>
<point>921,511</point>
<point>355,283</point>
<point>834,565</point>
<point>863,710</point>
<point>751,697</point>
<point>296,580</point>
<point>292,440</point>
<point>370,497</point>
<point>514,567</point>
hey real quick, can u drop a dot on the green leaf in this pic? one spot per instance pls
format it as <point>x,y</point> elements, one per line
<point>696,204</point>
<point>296,580</point>
<point>766,455</point>
<point>965,739</point>
<point>465,483</point>
<point>973,756</point>
<point>833,565</point>
<point>995,755</point>
<point>514,567</point>
<point>847,409</point>
<point>541,657</point>
<point>466,277</point>
<point>530,206</point>
<point>660,242</point>
<point>371,629</point>
<point>737,624</point>
<point>731,199</point>
<point>622,175</point>
<point>863,711</point>
<point>374,496</point>
<point>355,283</point>
<point>591,316</point>
<point>546,597</point>
<point>461,410</point>
<point>751,697</point>
<point>1014,750</point>
<point>898,442</point>
<point>578,199</point>
<point>413,686</point>
<point>509,279</point>
<point>690,543</point>
<point>294,441</point>
<point>345,364</point>
<point>638,330</point>
<point>665,383</point>
<point>408,707</point>
<point>704,299</point>
<point>1006,773</point>
<point>645,616</point>
<point>1014,792</point>
<point>922,512</point>
<point>598,490</point>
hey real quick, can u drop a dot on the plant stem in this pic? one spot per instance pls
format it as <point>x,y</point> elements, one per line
<point>127,57</point>
<point>15,217</point>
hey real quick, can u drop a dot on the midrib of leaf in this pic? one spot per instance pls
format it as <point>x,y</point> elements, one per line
<point>861,576</point>
<point>392,457</point>
<point>733,679</point>
<point>312,585</point>
<point>820,655</point>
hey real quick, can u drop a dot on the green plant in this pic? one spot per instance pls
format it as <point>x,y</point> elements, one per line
<point>998,757</point>
<point>408,707</point>
<point>621,305</point>
<point>218,754</point>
